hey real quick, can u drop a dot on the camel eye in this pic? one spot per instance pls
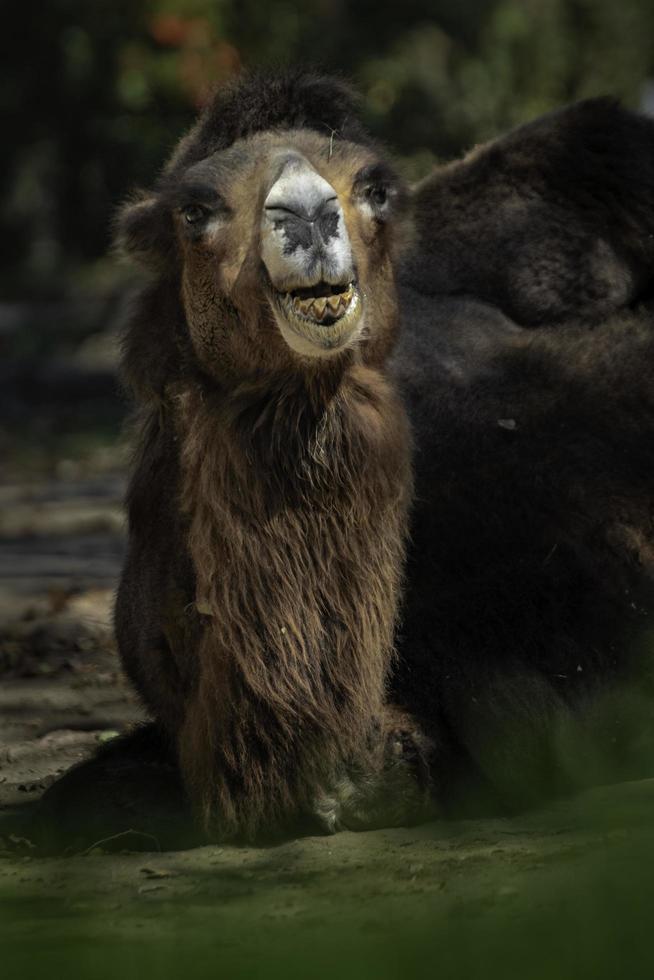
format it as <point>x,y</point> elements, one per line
<point>377,195</point>
<point>194,213</point>
<point>376,190</point>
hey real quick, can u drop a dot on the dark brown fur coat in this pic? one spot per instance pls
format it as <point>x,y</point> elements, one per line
<point>256,609</point>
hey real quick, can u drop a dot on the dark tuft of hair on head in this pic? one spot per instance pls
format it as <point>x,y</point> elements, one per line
<point>263,100</point>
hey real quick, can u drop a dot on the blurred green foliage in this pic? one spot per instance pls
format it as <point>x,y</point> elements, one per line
<point>94,94</point>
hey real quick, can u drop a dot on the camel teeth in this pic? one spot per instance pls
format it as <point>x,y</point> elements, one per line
<point>317,307</point>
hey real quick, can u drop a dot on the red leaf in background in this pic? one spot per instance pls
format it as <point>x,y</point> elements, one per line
<point>201,67</point>
<point>170,30</point>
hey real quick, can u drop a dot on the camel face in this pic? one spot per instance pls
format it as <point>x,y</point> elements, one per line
<point>284,245</point>
<point>306,249</point>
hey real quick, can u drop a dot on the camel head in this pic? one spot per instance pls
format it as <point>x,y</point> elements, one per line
<point>282,241</point>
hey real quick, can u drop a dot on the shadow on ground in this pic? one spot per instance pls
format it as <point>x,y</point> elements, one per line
<point>563,893</point>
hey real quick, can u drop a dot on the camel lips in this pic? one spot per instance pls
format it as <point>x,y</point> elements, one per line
<point>321,319</point>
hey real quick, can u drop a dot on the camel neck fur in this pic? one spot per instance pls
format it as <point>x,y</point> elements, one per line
<point>295,495</point>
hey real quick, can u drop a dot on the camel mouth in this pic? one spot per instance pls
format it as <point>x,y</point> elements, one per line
<point>322,304</point>
<point>323,317</point>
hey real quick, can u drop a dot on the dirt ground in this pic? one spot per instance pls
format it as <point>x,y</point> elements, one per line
<point>565,892</point>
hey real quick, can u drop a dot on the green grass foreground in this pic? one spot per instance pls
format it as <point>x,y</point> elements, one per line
<point>565,893</point>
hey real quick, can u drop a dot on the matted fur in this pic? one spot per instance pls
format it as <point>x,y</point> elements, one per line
<point>296,534</point>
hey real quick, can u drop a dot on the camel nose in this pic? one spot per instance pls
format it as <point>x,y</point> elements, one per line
<point>304,239</point>
<point>299,192</point>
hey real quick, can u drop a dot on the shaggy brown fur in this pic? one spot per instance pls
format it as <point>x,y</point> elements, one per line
<point>296,501</point>
<point>268,504</point>
<point>267,508</point>
<point>527,370</point>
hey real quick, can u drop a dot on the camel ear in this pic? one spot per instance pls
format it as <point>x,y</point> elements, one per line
<point>143,230</point>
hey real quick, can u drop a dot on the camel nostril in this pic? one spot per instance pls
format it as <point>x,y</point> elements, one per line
<point>279,213</point>
<point>301,192</point>
<point>308,211</point>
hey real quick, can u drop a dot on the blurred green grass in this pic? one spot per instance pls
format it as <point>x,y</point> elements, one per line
<point>535,898</point>
<point>108,87</point>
